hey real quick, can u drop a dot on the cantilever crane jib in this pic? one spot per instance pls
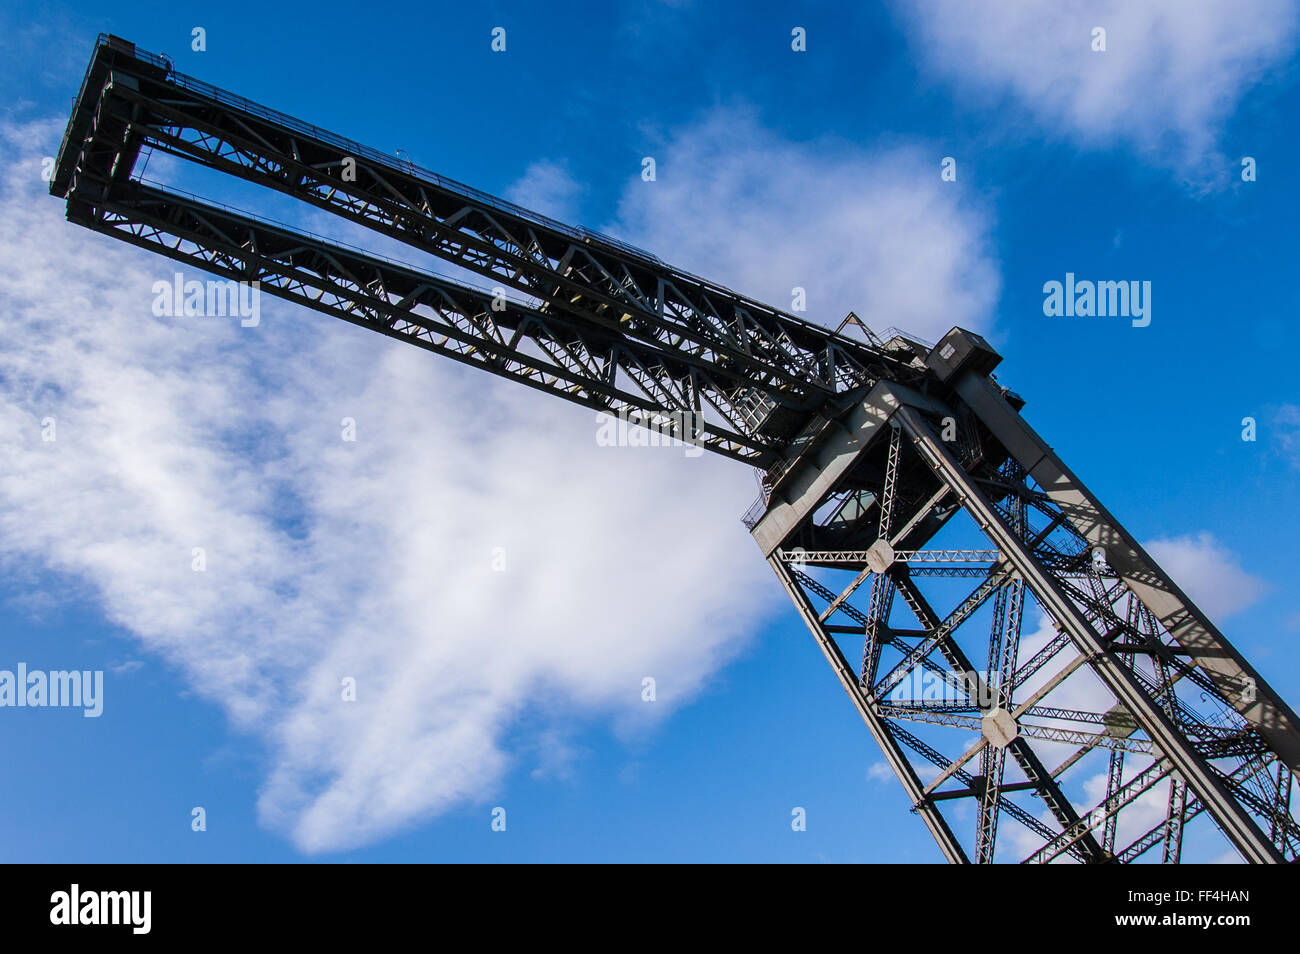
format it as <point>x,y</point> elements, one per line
<point>607,314</point>
<point>870,451</point>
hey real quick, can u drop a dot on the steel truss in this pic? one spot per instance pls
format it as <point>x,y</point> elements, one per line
<point>1105,732</point>
<point>1112,706</point>
<point>608,324</point>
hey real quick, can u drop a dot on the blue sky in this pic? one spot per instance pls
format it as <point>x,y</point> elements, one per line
<point>774,169</point>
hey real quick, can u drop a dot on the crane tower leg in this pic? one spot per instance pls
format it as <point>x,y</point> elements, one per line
<point>1124,696</point>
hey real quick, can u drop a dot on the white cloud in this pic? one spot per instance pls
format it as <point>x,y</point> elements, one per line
<point>369,560</point>
<point>871,231</point>
<point>1208,572</point>
<point>1172,72</point>
<point>547,187</point>
<point>372,559</point>
<point>1286,433</point>
<point>880,772</point>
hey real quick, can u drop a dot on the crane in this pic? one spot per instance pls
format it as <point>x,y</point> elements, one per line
<point>875,452</point>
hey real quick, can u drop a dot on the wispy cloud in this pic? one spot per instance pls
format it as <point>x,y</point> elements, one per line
<point>1171,74</point>
<point>370,560</point>
<point>548,187</point>
<point>1209,572</point>
<point>1285,421</point>
<point>873,231</point>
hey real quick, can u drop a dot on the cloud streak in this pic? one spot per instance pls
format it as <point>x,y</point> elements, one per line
<point>1210,573</point>
<point>873,231</point>
<point>370,560</point>
<point>1171,75</point>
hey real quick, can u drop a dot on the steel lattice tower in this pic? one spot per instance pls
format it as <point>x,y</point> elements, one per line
<point>876,453</point>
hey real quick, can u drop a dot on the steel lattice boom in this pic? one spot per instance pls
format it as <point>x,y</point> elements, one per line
<point>915,519</point>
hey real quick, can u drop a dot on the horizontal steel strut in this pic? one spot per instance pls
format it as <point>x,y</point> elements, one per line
<point>870,450</point>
